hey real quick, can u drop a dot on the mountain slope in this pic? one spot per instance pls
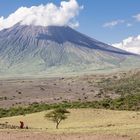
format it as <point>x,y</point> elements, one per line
<point>36,49</point>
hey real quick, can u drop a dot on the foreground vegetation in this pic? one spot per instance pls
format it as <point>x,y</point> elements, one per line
<point>129,102</point>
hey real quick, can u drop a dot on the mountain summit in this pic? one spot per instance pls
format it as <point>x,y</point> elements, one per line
<point>36,49</point>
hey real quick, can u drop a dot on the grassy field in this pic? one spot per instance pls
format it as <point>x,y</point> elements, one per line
<point>85,121</point>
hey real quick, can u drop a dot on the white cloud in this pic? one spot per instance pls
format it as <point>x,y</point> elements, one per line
<point>137,17</point>
<point>44,15</point>
<point>113,23</point>
<point>131,44</point>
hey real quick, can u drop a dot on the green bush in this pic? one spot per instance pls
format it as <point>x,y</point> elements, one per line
<point>129,102</point>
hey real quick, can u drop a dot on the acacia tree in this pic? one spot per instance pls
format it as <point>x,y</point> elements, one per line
<point>57,115</point>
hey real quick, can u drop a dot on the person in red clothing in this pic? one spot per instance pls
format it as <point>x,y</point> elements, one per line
<point>21,125</point>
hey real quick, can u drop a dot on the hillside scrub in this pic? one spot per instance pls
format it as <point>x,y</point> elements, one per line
<point>129,102</point>
<point>127,87</point>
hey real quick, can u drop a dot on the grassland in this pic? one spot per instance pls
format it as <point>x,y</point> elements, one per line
<point>126,123</point>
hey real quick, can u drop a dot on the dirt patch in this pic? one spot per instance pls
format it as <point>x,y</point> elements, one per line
<point>45,136</point>
<point>17,92</point>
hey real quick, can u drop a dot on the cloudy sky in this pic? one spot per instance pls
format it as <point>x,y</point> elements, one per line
<point>114,22</point>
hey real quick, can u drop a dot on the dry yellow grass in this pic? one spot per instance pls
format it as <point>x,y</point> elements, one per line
<point>85,120</point>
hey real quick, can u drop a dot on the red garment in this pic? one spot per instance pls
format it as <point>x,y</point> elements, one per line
<point>21,124</point>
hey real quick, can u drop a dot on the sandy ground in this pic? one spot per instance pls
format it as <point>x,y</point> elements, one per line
<point>45,136</point>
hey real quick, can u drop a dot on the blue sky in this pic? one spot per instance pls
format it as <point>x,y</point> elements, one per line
<point>93,17</point>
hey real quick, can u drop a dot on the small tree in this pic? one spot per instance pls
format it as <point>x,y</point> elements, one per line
<point>57,115</point>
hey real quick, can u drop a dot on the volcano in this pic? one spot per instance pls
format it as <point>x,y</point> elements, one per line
<point>35,49</point>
